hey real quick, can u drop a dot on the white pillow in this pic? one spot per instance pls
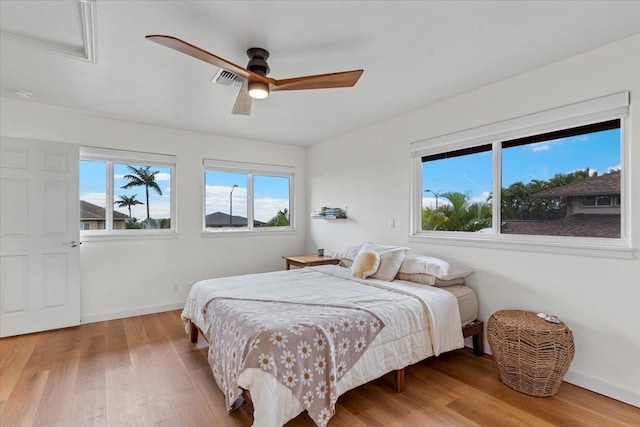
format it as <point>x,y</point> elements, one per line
<point>415,264</point>
<point>365,264</point>
<point>391,258</point>
<point>349,253</point>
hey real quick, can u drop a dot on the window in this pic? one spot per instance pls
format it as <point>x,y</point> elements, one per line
<point>550,177</point>
<point>247,197</point>
<point>456,192</point>
<point>544,178</point>
<point>124,192</point>
<point>599,201</point>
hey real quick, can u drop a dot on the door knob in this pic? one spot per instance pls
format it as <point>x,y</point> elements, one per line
<point>72,244</point>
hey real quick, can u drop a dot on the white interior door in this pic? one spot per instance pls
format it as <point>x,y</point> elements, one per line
<point>39,231</point>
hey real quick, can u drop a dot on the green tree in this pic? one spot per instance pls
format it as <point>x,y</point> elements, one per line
<point>517,203</point>
<point>280,220</point>
<point>127,202</point>
<point>143,177</point>
<point>133,224</point>
<point>457,215</point>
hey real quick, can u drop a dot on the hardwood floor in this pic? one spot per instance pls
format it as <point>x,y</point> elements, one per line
<point>144,371</point>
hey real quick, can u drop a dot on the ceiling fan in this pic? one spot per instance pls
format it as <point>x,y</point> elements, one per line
<point>255,83</point>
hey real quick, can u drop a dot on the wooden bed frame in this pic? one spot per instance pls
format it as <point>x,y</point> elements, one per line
<point>475,330</point>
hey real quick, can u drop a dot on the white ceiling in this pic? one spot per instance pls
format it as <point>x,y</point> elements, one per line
<point>93,56</point>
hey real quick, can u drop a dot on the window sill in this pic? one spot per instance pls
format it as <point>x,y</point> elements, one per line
<point>108,237</point>
<point>518,243</point>
<point>248,232</point>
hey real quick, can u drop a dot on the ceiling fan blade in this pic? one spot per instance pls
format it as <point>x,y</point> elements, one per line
<point>243,101</point>
<point>201,54</point>
<point>319,81</point>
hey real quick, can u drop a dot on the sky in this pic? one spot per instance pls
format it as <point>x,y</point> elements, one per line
<point>93,187</point>
<point>271,193</point>
<point>472,174</point>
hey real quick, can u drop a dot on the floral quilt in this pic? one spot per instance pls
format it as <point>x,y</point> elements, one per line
<point>306,347</point>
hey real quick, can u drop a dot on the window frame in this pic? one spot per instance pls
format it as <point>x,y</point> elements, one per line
<point>592,111</point>
<point>250,169</point>
<point>112,156</point>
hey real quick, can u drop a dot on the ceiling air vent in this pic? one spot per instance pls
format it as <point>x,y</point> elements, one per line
<point>226,78</point>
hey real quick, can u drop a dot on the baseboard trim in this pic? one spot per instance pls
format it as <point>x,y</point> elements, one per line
<point>92,318</point>
<point>605,388</point>
<point>595,385</point>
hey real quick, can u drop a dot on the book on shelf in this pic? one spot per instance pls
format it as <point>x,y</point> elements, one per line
<point>329,213</point>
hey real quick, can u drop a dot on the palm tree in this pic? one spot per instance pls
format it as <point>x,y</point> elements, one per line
<point>143,176</point>
<point>457,215</point>
<point>281,219</point>
<point>127,202</point>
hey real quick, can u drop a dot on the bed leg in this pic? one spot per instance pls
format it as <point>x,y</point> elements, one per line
<point>475,330</point>
<point>478,343</point>
<point>398,376</point>
<point>193,332</point>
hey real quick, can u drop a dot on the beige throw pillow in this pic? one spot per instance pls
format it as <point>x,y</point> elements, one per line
<point>365,264</point>
<point>391,258</point>
<point>390,262</point>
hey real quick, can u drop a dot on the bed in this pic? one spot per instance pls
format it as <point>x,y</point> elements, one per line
<point>415,322</point>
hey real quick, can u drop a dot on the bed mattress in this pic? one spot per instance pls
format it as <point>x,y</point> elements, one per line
<point>467,302</point>
<point>401,342</point>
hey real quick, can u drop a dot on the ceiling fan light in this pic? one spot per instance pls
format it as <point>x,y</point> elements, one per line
<point>258,90</point>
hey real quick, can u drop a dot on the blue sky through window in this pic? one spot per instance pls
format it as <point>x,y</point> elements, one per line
<point>93,189</point>
<point>271,194</point>
<point>472,174</point>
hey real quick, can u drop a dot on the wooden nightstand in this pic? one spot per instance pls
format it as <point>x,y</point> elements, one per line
<point>308,260</point>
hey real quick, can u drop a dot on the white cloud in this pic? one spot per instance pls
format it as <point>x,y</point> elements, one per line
<point>157,209</point>
<point>484,196</point>
<point>430,202</point>
<point>98,199</point>
<point>265,209</point>
<point>162,176</point>
<point>217,200</point>
<point>540,146</point>
<point>614,168</point>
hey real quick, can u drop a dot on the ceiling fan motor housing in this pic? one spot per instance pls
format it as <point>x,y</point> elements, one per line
<point>258,61</point>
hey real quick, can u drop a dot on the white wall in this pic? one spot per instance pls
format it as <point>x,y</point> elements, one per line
<point>368,171</point>
<point>128,277</point>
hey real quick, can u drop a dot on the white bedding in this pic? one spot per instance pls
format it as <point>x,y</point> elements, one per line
<point>421,321</point>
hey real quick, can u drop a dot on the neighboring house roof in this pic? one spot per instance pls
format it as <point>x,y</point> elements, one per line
<point>600,185</point>
<point>221,219</point>
<point>90,211</point>
<point>581,225</point>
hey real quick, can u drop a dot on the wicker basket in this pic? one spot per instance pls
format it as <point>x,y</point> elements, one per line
<point>533,355</point>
